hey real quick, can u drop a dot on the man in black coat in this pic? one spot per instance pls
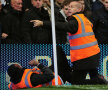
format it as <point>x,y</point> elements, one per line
<point>11,29</point>
<point>100,21</point>
<point>61,37</point>
<point>37,35</point>
<point>64,70</point>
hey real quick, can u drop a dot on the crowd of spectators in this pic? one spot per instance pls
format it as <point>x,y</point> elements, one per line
<point>17,28</point>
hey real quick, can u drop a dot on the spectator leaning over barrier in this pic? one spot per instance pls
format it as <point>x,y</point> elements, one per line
<point>31,78</point>
<point>37,35</point>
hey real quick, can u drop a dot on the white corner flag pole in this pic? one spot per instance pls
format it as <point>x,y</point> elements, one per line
<point>54,42</point>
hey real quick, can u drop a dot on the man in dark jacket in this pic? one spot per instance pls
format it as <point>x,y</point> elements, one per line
<point>11,32</point>
<point>37,35</point>
<point>100,22</point>
<point>64,70</point>
<point>61,37</point>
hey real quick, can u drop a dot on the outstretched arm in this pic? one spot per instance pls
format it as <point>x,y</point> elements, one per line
<point>37,79</point>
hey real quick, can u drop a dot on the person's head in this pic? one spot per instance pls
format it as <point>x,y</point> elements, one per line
<point>71,6</point>
<point>75,7</point>
<point>14,70</point>
<point>65,7</point>
<point>105,2</point>
<point>66,11</point>
<point>16,5</point>
<point>37,3</point>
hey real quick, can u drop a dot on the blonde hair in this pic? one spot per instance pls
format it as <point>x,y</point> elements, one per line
<point>79,5</point>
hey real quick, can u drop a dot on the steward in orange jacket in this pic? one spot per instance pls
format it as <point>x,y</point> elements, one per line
<point>31,78</point>
<point>84,50</point>
<point>83,40</point>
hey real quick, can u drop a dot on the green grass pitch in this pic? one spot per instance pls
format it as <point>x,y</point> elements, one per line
<point>72,87</point>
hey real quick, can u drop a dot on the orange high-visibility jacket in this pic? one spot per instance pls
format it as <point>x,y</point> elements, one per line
<point>26,83</point>
<point>83,43</point>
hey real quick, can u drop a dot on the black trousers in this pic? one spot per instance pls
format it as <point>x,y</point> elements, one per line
<point>64,70</point>
<point>84,66</point>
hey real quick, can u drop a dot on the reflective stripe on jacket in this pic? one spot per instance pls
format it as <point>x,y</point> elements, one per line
<point>83,43</point>
<point>26,83</point>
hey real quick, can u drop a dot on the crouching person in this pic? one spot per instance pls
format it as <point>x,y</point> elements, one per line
<point>31,78</point>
